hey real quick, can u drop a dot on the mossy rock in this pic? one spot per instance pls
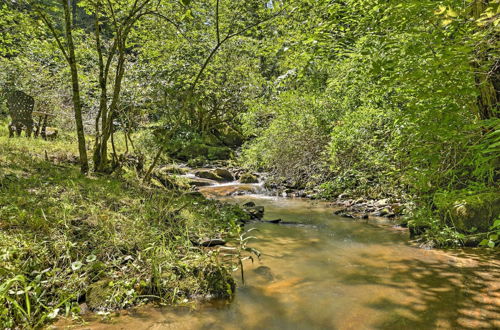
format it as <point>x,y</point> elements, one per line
<point>248,178</point>
<point>215,281</point>
<point>232,138</point>
<point>466,210</point>
<point>219,153</point>
<point>99,294</point>
<point>172,169</point>
<point>165,179</point>
<point>193,150</point>
<point>208,175</point>
<point>196,162</point>
<point>226,175</point>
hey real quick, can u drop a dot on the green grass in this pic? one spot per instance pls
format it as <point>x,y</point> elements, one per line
<point>108,241</point>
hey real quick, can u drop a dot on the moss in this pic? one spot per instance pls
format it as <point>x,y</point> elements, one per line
<point>193,149</point>
<point>248,178</point>
<point>99,295</point>
<point>208,175</point>
<point>197,162</point>
<point>467,210</point>
<point>172,169</point>
<point>219,153</point>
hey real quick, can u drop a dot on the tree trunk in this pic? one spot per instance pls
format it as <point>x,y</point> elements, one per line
<point>487,79</point>
<point>107,118</point>
<point>77,105</point>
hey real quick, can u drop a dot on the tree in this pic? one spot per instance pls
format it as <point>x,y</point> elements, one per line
<point>68,49</point>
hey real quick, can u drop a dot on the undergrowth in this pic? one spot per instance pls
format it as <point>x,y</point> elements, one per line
<point>107,241</point>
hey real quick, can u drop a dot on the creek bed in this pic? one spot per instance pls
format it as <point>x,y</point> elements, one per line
<point>328,272</point>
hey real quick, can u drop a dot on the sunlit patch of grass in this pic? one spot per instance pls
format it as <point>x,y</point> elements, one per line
<point>108,241</point>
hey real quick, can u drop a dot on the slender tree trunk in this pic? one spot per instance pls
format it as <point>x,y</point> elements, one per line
<point>102,114</point>
<point>487,79</point>
<point>84,166</point>
<point>107,125</point>
<point>73,10</point>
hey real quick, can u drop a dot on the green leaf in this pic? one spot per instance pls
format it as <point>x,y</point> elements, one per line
<point>491,244</point>
<point>76,265</point>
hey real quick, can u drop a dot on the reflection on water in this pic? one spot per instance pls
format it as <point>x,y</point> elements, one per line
<point>335,273</point>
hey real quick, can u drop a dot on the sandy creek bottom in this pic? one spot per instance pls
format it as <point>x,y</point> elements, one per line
<point>335,273</point>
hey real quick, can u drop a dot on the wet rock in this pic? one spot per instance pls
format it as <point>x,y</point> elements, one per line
<point>201,182</point>
<point>300,194</point>
<point>338,212</point>
<point>272,221</point>
<point>208,242</point>
<point>255,212</point>
<point>224,174</point>
<point>208,175</point>
<point>249,204</point>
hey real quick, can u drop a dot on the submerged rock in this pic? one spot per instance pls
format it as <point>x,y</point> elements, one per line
<point>264,272</point>
<point>272,221</point>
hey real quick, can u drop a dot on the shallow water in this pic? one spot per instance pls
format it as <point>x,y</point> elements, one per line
<point>328,272</point>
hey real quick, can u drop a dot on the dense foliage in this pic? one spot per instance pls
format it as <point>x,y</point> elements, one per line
<point>366,98</point>
<point>411,97</point>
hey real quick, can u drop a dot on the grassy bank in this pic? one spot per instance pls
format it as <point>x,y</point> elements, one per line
<point>69,241</point>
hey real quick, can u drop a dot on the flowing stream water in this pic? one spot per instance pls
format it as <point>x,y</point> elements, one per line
<point>328,272</point>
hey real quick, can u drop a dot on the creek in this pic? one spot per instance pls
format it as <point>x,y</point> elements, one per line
<point>328,272</point>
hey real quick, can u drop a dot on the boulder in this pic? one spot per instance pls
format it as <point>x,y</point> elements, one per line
<point>204,174</point>
<point>196,162</point>
<point>201,182</point>
<point>219,153</point>
<point>466,211</point>
<point>172,169</point>
<point>208,242</point>
<point>255,212</point>
<point>224,174</point>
